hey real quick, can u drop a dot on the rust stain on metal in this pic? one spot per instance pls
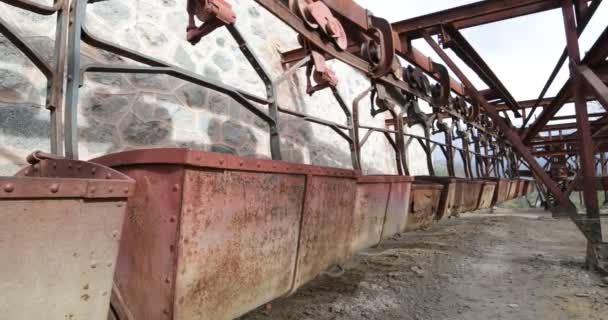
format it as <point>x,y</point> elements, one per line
<point>60,259</point>
<point>424,204</point>
<point>147,250</point>
<point>487,194</point>
<point>238,239</point>
<point>471,195</point>
<point>398,208</point>
<point>370,212</point>
<point>327,225</point>
<point>502,190</point>
<point>451,196</point>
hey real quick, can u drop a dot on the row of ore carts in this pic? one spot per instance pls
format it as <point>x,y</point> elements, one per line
<point>183,234</point>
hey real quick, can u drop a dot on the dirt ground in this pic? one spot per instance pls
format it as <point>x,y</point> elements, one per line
<point>504,265</point>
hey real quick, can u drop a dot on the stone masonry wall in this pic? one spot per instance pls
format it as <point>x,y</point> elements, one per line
<point>121,112</point>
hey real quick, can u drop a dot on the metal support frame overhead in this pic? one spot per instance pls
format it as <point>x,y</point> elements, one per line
<point>490,143</point>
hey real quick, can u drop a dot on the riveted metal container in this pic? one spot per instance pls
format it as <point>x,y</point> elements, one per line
<point>424,204</point>
<point>487,194</point>
<point>213,236</point>
<point>451,195</point>
<point>471,193</point>
<point>60,227</point>
<point>502,190</point>
<point>381,209</point>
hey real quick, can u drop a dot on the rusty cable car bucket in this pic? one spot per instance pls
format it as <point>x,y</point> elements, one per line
<point>488,193</point>
<point>502,190</point>
<point>60,227</point>
<point>381,209</point>
<point>267,227</point>
<point>424,204</point>
<point>451,195</point>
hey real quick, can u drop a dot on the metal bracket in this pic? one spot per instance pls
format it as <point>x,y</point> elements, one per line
<point>213,13</point>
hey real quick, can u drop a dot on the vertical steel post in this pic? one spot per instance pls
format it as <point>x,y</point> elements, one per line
<point>56,90</point>
<point>273,107</point>
<point>450,151</point>
<point>77,16</point>
<point>584,132</point>
<point>510,134</point>
<point>354,155</point>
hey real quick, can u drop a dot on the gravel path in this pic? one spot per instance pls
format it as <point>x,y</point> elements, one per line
<point>505,265</point>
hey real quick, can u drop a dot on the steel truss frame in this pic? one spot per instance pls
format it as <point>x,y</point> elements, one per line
<point>488,127</point>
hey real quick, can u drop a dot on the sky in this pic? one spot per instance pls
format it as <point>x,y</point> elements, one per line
<point>521,51</point>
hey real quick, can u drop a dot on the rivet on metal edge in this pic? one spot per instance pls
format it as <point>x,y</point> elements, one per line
<point>125,190</point>
<point>259,164</point>
<point>172,219</point>
<point>110,189</point>
<point>241,163</point>
<point>221,161</point>
<point>175,188</point>
<point>54,188</point>
<point>9,187</point>
<point>108,175</point>
<point>27,172</point>
<point>94,170</point>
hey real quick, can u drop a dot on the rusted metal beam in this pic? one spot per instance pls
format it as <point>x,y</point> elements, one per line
<point>511,136</point>
<point>595,56</point>
<point>465,51</point>
<point>582,24</point>
<point>411,55</point>
<point>278,8</point>
<point>563,140</point>
<point>573,117</point>
<point>549,112</point>
<point>529,104</point>
<point>594,228</point>
<point>572,125</point>
<point>474,14</point>
<point>595,84</point>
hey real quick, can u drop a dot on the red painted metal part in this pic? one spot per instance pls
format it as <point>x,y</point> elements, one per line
<point>424,204</point>
<point>60,224</point>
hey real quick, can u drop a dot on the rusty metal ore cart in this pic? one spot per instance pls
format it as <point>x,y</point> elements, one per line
<point>502,190</point>
<point>512,189</point>
<point>471,195</point>
<point>266,226</point>
<point>60,227</point>
<point>451,196</point>
<point>381,209</point>
<point>424,204</point>
<point>488,193</point>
